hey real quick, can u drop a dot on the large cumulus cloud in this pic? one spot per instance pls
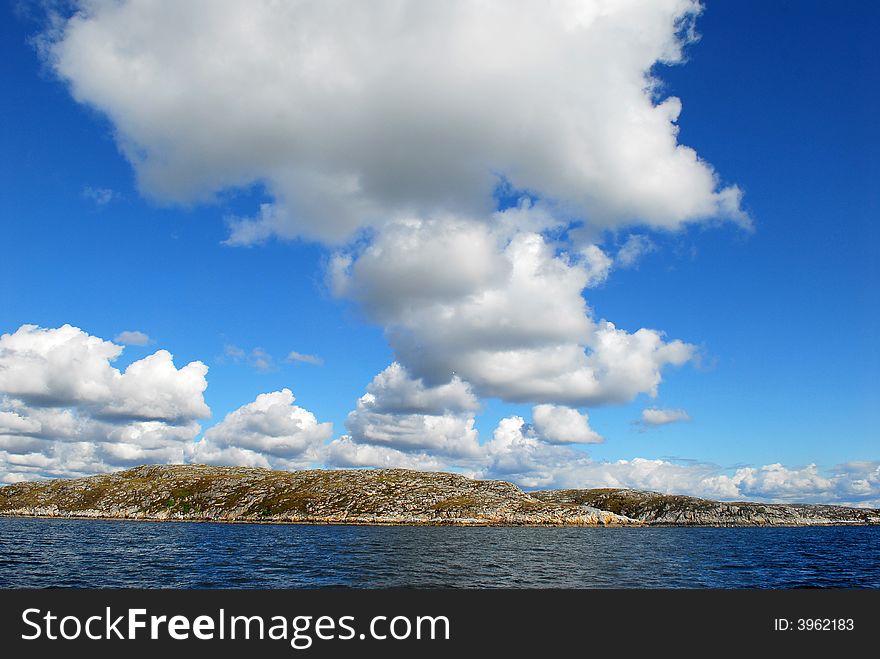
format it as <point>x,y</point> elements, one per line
<point>353,114</point>
<point>395,123</point>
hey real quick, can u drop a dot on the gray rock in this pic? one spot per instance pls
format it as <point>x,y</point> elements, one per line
<point>657,509</point>
<point>387,496</point>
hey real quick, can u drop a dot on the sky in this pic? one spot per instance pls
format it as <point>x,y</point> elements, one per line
<point>564,244</point>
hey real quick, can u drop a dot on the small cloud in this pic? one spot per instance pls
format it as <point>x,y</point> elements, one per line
<point>295,356</point>
<point>233,352</point>
<point>597,265</point>
<point>257,358</point>
<point>635,247</point>
<point>261,360</point>
<point>558,424</point>
<point>133,338</point>
<point>99,196</point>
<point>653,417</point>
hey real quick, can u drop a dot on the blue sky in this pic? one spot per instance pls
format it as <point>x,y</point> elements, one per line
<point>778,98</point>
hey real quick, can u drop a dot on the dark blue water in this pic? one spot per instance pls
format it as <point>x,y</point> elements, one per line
<point>38,553</point>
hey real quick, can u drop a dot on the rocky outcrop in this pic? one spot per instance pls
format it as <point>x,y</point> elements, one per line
<point>387,496</point>
<point>653,508</point>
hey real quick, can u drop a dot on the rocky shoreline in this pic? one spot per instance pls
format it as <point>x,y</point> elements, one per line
<point>383,497</point>
<point>654,509</point>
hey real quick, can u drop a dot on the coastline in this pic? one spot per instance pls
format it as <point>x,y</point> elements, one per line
<point>386,497</point>
<point>462,523</point>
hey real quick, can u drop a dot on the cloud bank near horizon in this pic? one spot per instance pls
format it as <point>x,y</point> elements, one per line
<point>66,419</point>
<point>66,411</point>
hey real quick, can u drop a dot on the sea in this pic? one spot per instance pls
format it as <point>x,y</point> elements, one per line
<point>64,553</point>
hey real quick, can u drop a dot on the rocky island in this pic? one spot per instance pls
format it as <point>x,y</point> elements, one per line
<point>384,496</point>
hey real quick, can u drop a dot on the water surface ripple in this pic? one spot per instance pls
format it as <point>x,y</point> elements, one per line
<point>42,553</point>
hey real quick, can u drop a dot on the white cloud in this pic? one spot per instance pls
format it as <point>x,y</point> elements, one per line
<point>653,417</point>
<point>635,247</point>
<point>639,473</point>
<point>510,319</point>
<point>399,118</point>
<point>66,411</point>
<point>132,338</point>
<point>67,367</point>
<point>99,196</point>
<point>344,452</point>
<point>257,358</point>
<point>517,454</point>
<point>12,423</point>
<point>402,422</point>
<point>396,392</point>
<point>67,443</point>
<point>57,366</point>
<point>269,432</point>
<point>858,482</point>
<point>357,129</point>
<point>597,265</point>
<point>402,414</point>
<point>851,483</point>
<point>261,360</point>
<point>774,482</point>
<point>353,114</point>
<point>441,434</point>
<point>410,264</point>
<point>558,424</point>
<point>294,356</point>
<point>53,460</point>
